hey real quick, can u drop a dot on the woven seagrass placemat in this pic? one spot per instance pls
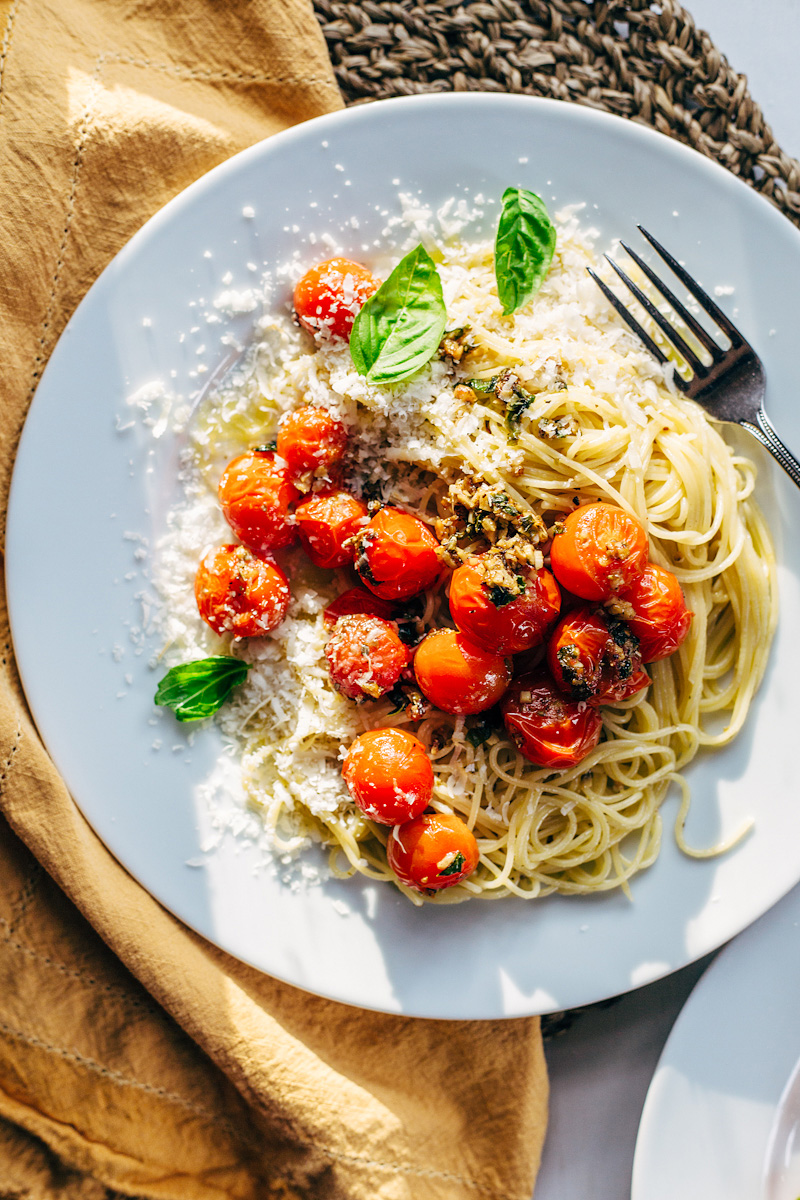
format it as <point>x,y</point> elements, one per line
<point>646,61</point>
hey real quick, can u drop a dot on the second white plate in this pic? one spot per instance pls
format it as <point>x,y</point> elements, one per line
<point>722,1113</point>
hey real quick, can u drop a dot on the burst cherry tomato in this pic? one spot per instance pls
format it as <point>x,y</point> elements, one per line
<point>310,439</point>
<point>509,628</point>
<point>325,522</point>
<point>240,594</point>
<point>389,775</point>
<point>594,657</point>
<point>356,602</point>
<point>256,493</point>
<point>329,296</point>
<point>457,675</point>
<point>435,851</point>
<point>546,728</point>
<point>601,551</point>
<point>397,555</point>
<point>661,619</point>
<point>365,657</point>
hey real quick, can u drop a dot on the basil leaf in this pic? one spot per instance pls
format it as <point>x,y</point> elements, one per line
<point>516,408</point>
<point>455,866</point>
<point>500,595</point>
<point>482,386</point>
<point>482,730</point>
<point>401,325</point>
<point>523,249</point>
<point>197,689</point>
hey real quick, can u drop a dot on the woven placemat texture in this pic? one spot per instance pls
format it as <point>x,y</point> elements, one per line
<point>646,61</point>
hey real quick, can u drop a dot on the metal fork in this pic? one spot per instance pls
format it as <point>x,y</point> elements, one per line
<point>732,386</point>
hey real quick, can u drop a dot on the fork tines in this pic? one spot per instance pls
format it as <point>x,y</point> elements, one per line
<point>704,300</point>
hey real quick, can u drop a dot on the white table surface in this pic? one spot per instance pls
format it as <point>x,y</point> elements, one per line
<point>601,1067</point>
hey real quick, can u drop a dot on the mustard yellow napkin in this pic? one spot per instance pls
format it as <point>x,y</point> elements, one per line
<point>133,1055</point>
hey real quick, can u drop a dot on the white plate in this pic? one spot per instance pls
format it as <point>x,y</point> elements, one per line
<point>721,1117</point>
<point>80,485</point>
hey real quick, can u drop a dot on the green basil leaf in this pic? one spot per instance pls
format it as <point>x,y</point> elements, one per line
<point>483,729</point>
<point>401,325</point>
<point>197,689</point>
<point>500,595</point>
<point>455,866</point>
<point>523,249</point>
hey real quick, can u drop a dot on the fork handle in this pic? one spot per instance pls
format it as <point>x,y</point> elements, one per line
<point>766,434</point>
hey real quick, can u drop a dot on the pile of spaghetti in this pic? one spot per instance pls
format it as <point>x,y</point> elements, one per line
<point>515,421</point>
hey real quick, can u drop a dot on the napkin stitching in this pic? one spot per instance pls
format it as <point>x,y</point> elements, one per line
<point>83,135</point>
<point>421,1172</point>
<point>238,1136</point>
<point>5,47</point>
<point>7,765</point>
<point>117,1077</point>
<point>22,903</point>
<point>111,989</point>
<point>218,76</point>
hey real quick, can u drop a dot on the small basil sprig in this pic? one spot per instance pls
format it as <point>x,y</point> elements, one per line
<point>501,596</point>
<point>523,249</point>
<point>401,325</point>
<point>455,866</point>
<point>197,689</point>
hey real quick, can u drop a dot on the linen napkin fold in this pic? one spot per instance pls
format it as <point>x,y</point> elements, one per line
<point>135,1058</point>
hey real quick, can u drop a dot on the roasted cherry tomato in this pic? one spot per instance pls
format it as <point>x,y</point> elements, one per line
<point>389,775</point>
<point>397,555</point>
<point>435,851</point>
<point>358,602</point>
<point>546,728</point>
<point>593,656</point>
<point>457,675</point>
<point>329,297</point>
<point>240,594</point>
<point>601,551</point>
<point>311,439</point>
<point>326,521</point>
<point>365,657</point>
<point>507,628</point>
<point>256,493</point>
<point>661,619</point>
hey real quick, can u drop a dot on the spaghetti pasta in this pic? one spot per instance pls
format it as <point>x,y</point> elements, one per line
<point>604,424</point>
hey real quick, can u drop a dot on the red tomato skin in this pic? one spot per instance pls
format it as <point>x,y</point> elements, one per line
<point>636,682</point>
<point>238,593</point>
<point>325,522</point>
<point>587,632</point>
<point>602,550</point>
<point>365,657</point>
<point>330,295</point>
<point>256,493</point>
<point>457,675</point>
<point>662,619</point>
<point>512,628</point>
<point>311,439</point>
<point>397,555</point>
<point>416,849</point>
<point>593,657</point>
<point>547,728</point>
<point>358,602</point>
<point>389,775</point>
